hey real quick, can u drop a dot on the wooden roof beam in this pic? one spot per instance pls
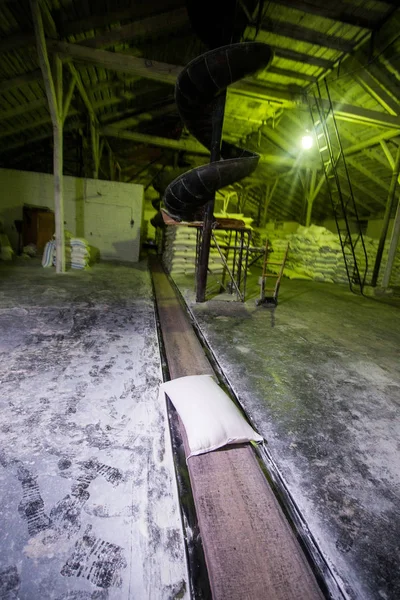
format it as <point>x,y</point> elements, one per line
<point>167,73</point>
<point>372,87</point>
<point>20,80</point>
<point>337,11</point>
<point>15,41</point>
<point>301,57</point>
<point>367,173</point>
<point>23,109</point>
<point>304,34</point>
<point>146,115</point>
<point>356,114</point>
<point>291,74</point>
<point>374,81</point>
<point>71,113</point>
<point>374,141</point>
<point>115,61</point>
<point>163,23</point>
<point>30,140</point>
<point>279,140</point>
<point>137,10</point>
<point>191,146</point>
<point>366,191</point>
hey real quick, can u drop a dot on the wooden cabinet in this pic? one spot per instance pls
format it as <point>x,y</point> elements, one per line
<point>38,226</point>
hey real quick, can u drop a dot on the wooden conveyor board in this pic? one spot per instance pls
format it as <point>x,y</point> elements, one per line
<point>250,549</point>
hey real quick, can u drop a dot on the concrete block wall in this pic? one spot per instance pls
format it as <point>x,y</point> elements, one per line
<point>107,213</point>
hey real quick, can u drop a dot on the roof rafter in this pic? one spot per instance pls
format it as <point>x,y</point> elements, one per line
<point>367,172</point>
<point>163,23</point>
<point>137,10</point>
<point>305,34</point>
<point>301,57</point>
<point>337,11</point>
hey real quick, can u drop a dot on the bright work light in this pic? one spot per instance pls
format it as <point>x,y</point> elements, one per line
<point>306,142</point>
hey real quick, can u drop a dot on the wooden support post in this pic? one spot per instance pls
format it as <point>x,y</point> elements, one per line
<point>268,198</point>
<point>54,98</point>
<point>310,195</point>
<point>97,145</point>
<point>202,267</point>
<point>386,218</point>
<point>68,98</point>
<point>394,242</point>
<point>111,164</point>
<point>95,138</point>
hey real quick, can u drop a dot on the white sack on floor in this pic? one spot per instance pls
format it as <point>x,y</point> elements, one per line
<point>210,417</point>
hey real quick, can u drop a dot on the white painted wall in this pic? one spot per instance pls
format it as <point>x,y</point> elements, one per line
<point>100,211</point>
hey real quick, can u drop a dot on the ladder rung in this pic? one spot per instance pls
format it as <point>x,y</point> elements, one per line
<point>276,264</point>
<point>323,149</point>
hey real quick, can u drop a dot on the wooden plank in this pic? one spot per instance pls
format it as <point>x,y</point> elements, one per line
<point>250,549</point>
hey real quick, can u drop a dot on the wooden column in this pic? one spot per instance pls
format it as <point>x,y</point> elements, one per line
<point>310,189</point>
<point>394,242</point>
<point>268,197</point>
<point>95,138</point>
<point>386,218</point>
<point>54,93</point>
<point>111,164</point>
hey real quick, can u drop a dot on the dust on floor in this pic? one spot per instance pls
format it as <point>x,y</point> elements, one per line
<point>89,506</point>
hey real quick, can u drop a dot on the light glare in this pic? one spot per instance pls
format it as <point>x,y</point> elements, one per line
<point>306,142</point>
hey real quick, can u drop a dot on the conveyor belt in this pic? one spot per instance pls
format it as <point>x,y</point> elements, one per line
<point>250,549</point>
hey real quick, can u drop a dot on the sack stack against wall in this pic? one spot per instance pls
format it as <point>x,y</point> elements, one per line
<point>179,255</point>
<point>315,253</point>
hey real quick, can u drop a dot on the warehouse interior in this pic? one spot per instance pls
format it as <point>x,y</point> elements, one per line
<point>155,228</point>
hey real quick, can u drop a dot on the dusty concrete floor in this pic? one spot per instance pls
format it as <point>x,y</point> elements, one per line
<point>88,499</point>
<point>319,377</point>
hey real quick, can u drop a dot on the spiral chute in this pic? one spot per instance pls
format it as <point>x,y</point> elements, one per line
<point>197,88</point>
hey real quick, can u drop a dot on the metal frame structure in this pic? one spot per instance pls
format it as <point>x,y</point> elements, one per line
<point>239,243</point>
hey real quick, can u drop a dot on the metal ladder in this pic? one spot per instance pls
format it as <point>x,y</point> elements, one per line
<point>339,185</point>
